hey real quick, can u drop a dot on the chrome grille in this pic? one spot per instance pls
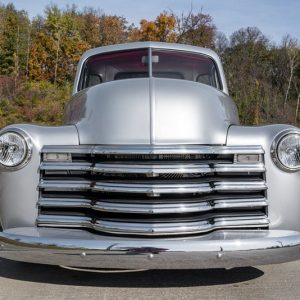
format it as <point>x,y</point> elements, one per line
<point>152,191</point>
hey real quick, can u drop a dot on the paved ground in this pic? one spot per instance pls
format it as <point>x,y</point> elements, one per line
<point>28,281</point>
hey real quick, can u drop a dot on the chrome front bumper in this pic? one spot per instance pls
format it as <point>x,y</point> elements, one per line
<point>219,249</point>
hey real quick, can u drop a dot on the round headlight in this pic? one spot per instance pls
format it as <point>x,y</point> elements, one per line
<point>14,150</point>
<point>287,152</point>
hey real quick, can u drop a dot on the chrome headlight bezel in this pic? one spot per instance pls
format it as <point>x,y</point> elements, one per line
<point>28,154</point>
<point>274,150</point>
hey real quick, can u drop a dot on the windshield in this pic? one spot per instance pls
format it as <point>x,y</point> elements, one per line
<point>135,64</point>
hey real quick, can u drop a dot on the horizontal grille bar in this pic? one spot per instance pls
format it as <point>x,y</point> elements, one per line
<point>172,149</point>
<point>154,208</point>
<point>152,169</point>
<point>152,229</point>
<point>154,188</point>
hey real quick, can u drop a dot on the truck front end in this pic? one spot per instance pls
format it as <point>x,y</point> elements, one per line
<point>151,171</point>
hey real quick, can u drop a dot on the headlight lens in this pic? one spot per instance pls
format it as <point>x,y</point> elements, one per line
<point>288,151</point>
<point>14,149</point>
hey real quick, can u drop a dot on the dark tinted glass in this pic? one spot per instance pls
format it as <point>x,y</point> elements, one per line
<point>115,66</point>
<point>134,64</point>
<point>183,65</point>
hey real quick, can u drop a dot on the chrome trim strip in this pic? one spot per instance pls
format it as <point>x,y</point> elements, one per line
<point>66,166</point>
<point>154,208</point>
<point>65,202</point>
<point>66,185</point>
<point>152,229</point>
<point>74,149</point>
<point>102,271</point>
<point>152,169</point>
<point>218,249</point>
<point>239,168</point>
<point>222,186</point>
<point>153,188</point>
<point>167,149</point>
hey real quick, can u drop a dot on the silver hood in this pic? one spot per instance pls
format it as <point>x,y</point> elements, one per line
<point>152,111</point>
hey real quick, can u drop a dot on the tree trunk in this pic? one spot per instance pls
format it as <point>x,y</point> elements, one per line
<point>28,52</point>
<point>56,59</point>
<point>17,57</point>
<point>289,85</point>
<point>297,108</point>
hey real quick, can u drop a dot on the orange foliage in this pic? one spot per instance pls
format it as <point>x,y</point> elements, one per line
<point>162,29</point>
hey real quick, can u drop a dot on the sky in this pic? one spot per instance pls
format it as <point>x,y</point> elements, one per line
<point>275,18</point>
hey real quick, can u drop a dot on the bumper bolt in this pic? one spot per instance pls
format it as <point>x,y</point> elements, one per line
<point>219,255</point>
<point>150,256</point>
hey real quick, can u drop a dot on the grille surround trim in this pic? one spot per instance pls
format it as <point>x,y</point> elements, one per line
<point>156,190</point>
<point>157,149</point>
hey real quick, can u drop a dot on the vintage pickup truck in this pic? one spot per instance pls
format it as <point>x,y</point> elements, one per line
<point>151,170</point>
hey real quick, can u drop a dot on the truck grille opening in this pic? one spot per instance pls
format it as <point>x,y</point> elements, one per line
<point>152,191</point>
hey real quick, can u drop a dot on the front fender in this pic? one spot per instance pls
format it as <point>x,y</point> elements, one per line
<point>18,189</point>
<point>283,192</point>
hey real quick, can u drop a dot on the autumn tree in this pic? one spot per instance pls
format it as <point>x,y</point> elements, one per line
<point>89,28</point>
<point>57,47</point>
<point>196,29</point>
<point>162,29</point>
<point>112,30</point>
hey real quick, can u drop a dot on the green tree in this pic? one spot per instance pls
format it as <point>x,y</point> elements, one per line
<point>14,31</point>
<point>247,65</point>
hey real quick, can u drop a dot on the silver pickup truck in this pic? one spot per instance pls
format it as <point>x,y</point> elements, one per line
<point>151,170</point>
